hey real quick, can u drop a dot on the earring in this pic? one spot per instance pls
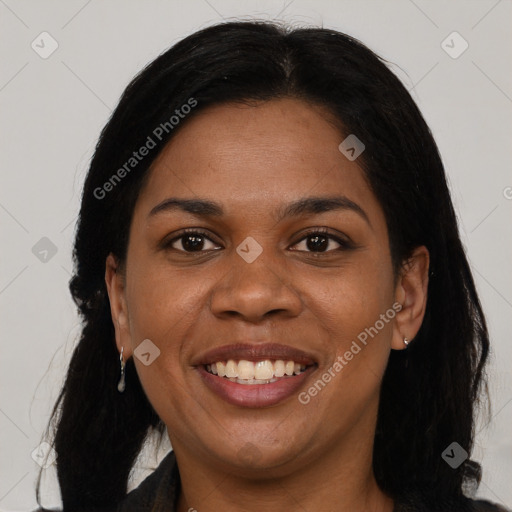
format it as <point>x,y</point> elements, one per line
<point>406,341</point>
<point>122,383</point>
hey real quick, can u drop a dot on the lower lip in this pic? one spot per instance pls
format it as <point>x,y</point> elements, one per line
<point>254,395</point>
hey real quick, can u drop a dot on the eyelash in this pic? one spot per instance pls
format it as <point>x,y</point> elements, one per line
<point>344,244</point>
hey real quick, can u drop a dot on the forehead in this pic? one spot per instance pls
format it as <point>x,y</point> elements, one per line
<point>258,155</point>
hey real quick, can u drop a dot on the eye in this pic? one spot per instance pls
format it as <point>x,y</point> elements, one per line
<point>320,241</point>
<point>192,241</point>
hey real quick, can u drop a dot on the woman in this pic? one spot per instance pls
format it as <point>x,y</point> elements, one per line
<point>268,266</point>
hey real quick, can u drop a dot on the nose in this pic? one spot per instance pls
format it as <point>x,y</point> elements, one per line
<point>255,291</point>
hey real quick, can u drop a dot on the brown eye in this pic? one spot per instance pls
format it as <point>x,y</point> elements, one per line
<point>193,242</point>
<point>319,242</point>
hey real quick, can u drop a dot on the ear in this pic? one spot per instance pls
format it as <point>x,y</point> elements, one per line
<point>411,292</point>
<point>115,281</point>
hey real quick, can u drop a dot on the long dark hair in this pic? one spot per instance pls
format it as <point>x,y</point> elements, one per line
<point>429,392</point>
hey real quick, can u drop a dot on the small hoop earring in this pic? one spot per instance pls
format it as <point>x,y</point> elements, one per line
<point>121,385</point>
<point>406,341</point>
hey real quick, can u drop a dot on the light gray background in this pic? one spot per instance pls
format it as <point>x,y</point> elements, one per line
<point>52,111</point>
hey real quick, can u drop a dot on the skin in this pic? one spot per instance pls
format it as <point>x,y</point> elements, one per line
<point>254,160</point>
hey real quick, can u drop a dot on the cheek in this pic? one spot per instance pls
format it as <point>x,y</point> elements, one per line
<point>353,310</point>
<point>163,308</point>
<point>161,299</point>
<point>358,342</point>
<point>352,299</point>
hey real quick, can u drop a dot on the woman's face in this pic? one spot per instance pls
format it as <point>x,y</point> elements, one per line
<point>291,263</point>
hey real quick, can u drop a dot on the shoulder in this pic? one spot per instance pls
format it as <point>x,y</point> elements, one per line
<point>487,506</point>
<point>451,505</point>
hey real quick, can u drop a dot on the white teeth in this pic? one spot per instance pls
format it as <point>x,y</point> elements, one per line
<point>260,372</point>
<point>231,369</point>
<point>263,370</point>
<point>245,370</point>
<point>221,369</point>
<point>279,368</point>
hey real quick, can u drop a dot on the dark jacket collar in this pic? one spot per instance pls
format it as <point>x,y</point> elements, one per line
<point>159,492</point>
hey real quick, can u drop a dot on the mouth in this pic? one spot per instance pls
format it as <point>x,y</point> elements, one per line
<point>255,376</point>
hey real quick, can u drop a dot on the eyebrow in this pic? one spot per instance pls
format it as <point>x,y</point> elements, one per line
<point>305,206</point>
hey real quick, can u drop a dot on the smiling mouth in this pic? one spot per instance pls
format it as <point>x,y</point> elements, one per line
<point>265,371</point>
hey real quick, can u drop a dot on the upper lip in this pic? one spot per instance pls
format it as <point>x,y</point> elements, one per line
<point>251,352</point>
